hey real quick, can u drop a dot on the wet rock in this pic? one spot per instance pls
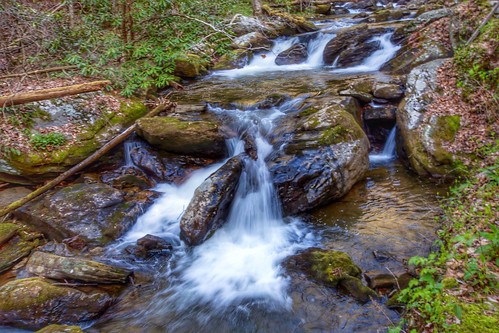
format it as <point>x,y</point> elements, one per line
<point>71,268</point>
<point>98,125</point>
<point>387,15</point>
<point>190,66</point>
<point>325,153</point>
<point>97,212</point>
<point>388,91</point>
<point>296,54</point>
<point>423,139</point>
<point>385,112</point>
<point>149,161</point>
<point>12,194</point>
<point>34,303</point>
<point>433,15</point>
<point>60,329</point>
<point>15,244</point>
<point>351,46</point>
<point>322,9</point>
<point>151,242</point>
<point>197,138</point>
<point>232,60</point>
<point>253,40</point>
<point>412,54</point>
<point>393,279</point>
<point>393,302</point>
<point>210,205</point>
<point>363,97</point>
<point>333,269</point>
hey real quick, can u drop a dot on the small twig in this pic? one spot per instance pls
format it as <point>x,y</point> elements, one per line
<point>395,277</point>
<point>484,22</point>
<point>203,22</point>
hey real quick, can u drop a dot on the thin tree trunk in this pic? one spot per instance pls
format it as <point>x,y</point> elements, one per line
<point>257,8</point>
<point>477,31</point>
<point>82,165</point>
<point>39,71</point>
<point>43,94</point>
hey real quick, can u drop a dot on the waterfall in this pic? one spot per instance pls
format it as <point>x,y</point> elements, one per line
<point>388,152</point>
<point>128,145</point>
<point>376,60</point>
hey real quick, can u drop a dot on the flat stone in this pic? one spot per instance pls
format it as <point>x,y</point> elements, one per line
<point>385,279</point>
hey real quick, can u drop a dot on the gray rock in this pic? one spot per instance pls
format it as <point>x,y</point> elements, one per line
<point>15,244</point>
<point>388,91</point>
<point>210,205</point>
<point>12,194</point>
<point>296,54</point>
<point>34,303</point>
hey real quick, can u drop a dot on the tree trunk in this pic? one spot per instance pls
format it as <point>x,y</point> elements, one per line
<point>82,165</point>
<point>43,94</point>
<point>257,8</point>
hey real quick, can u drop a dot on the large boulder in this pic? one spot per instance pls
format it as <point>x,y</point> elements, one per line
<point>197,138</point>
<point>209,208</point>
<point>93,119</point>
<point>34,303</point>
<point>97,212</point>
<point>351,46</point>
<point>72,268</point>
<point>190,66</point>
<point>296,54</point>
<point>16,243</point>
<point>423,139</point>
<point>325,152</point>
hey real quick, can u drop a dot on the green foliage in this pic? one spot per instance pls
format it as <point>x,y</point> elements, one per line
<point>47,141</point>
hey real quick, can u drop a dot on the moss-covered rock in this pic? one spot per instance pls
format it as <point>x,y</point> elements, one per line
<point>476,318</point>
<point>95,131</point>
<point>16,242</point>
<point>197,138</point>
<point>96,212</point>
<point>190,66</point>
<point>54,328</point>
<point>424,140</point>
<point>34,303</point>
<point>234,59</point>
<point>333,269</point>
<point>325,152</point>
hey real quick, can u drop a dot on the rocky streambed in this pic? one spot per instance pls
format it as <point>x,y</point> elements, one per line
<point>258,203</point>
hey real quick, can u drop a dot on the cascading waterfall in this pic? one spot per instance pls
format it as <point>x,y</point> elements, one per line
<point>376,60</point>
<point>128,145</point>
<point>389,149</point>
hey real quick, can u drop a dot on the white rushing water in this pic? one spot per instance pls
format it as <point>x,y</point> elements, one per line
<point>376,60</point>
<point>241,261</point>
<point>389,149</point>
<point>128,145</point>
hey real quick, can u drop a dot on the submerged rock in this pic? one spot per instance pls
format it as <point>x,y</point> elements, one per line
<point>333,269</point>
<point>60,329</point>
<point>325,152</point>
<point>423,139</point>
<point>97,212</point>
<point>197,138</point>
<point>296,54</point>
<point>210,205</point>
<point>34,303</point>
<point>62,268</point>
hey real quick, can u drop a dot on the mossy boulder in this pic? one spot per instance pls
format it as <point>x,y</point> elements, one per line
<point>95,129</point>
<point>296,54</point>
<point>16,242</point>
<point>190,66</point>
<point>54,328</point>
<point>387,15</point>
<point>34,303</point>
<point>96,212</point>
<point>325,152</point>
<point>477,318</point>
<point>196,138</point>
<point>334,269</point>
<point>235,59</point>
<point>424,140</point>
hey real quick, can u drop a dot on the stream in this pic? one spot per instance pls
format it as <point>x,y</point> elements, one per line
<point>236,280</point>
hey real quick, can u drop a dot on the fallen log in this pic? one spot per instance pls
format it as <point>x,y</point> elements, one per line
<point>43,94</point>
<point>83,164</point>
<point>39,71</point>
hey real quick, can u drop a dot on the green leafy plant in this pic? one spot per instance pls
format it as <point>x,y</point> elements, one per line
<point>48,141</point>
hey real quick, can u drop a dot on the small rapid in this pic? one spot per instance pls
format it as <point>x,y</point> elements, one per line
<point>389,149</point>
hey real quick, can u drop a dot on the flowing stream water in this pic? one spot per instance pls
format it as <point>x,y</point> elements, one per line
<point>235,281</point>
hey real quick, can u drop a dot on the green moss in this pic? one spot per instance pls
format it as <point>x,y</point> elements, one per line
<point>7,231</point>
<point>335,135</point>
<point>331,266</point>
<point>129,112</point>
<point>449,283</point>
<point>476,318</point>
<point>60,329</point>
<point>309,111</point>
<point>447,127</point>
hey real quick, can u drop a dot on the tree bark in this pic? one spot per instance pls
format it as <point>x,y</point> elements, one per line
<point>43,94</point>
<point>83,164</point>
<point>257,8</point>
